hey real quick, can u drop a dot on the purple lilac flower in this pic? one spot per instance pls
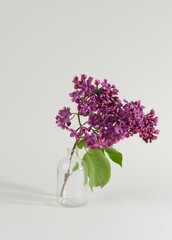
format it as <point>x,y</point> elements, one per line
<point>90,139</point>
<point>62,119</point>
<point>108,119</point>
<point>147,131</point>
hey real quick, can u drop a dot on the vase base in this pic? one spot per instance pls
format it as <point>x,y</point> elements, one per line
<point>69,202</point>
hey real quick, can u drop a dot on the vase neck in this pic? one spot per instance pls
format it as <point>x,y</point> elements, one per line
<point>72,153</point>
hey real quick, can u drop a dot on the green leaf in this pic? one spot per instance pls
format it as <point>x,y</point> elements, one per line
<point>75,167</point>
<point>114,155</point>
<point>85,179</point>
<point>91,185</point>
<point>81,144</point>
<point>99,169</point>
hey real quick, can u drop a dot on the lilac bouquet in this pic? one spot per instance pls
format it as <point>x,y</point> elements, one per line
<point>103,120</point>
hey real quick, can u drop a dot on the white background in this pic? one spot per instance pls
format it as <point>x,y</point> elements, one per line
<point>43,45</point>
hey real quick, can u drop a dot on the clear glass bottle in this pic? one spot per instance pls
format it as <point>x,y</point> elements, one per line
<point>72,181</point>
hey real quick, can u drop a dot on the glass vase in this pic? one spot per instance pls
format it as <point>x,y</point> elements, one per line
<point>72,181</point>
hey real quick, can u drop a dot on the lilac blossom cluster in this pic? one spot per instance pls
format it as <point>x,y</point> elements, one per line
<point>108,119</point>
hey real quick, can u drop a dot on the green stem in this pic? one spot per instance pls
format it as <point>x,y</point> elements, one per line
<point>79,120</point>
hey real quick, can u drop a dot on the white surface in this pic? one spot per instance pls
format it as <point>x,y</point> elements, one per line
<point>43,45</point>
